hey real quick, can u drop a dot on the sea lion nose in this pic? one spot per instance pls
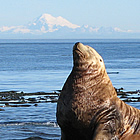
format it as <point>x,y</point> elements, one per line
<point>78,46</point>
<point>75,46</point>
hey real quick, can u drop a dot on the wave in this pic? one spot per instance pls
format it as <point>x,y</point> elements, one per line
<point>48,124</point>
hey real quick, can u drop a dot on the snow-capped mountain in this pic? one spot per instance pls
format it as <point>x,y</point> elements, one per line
<point>58,27</point>
<point>43,24</point>
<point>47,23</point>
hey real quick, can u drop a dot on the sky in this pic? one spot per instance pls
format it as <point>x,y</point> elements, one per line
<point>124,14</point>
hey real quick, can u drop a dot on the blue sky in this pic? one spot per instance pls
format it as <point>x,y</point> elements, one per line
<point>124,14</point>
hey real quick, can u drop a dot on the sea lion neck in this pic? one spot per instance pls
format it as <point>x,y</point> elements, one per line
<point>89,69</point>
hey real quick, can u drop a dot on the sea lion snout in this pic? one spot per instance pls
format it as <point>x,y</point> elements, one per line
<point>80,47</point>
<point>85,54</point>
<point>80,52</point>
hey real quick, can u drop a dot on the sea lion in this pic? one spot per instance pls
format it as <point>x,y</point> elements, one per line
<point>88,107</point>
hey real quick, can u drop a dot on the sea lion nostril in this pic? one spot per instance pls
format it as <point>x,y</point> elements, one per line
<point>76,46</point>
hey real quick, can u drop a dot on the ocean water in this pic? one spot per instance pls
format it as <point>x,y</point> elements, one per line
<point>43,65</point>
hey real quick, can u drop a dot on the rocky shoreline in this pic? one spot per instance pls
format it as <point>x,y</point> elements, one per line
<point>21,99</point>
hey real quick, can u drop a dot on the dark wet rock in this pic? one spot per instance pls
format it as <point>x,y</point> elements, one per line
<point>19,98</point>
<point>113,72</point>
<point>8,105</point>
<point>2,109</point>
<point>131,92</point>
<point>41,98</point>
<point>124,96</point>
<point>32,99</point>
<point>54,101</point>
<point>122,93</point>
<point>35,104</point>
<point>128,96</point>
<point>119,89</point>
<point>34,138</point>
<point>57,91</point>
<point>48,97</point>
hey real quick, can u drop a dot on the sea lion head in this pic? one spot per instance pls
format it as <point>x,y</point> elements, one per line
<point>85,56</point>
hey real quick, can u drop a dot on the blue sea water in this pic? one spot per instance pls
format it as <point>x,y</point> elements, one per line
<point>43,65</point>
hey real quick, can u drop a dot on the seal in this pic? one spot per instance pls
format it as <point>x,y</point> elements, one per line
<point>88,107</point>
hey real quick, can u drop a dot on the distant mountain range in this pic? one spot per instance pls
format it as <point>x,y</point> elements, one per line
<point>48,27</point>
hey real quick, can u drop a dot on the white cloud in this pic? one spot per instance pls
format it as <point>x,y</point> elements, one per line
<point>124,31</point>
<point>86,26</point>
<point>93,29</point>
<point>21,29</point>
<point>6,28</point>
<point>15,29</point>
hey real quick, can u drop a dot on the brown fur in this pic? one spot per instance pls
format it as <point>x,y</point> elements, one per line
<point>88,107</point>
